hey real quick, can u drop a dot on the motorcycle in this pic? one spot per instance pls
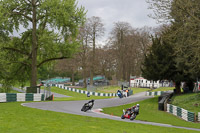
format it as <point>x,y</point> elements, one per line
<point>119,93</point>
<point>129,113</point>
<point>88,106</point>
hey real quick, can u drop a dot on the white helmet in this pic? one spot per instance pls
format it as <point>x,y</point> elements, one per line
<point>138,105</point>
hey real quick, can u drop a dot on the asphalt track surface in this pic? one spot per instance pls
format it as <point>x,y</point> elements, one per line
<point>74,107</point>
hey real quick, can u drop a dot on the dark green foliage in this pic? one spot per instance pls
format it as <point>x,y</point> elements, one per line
<point>159,63</point>
<point>186,29</point>
<point>183,34</point>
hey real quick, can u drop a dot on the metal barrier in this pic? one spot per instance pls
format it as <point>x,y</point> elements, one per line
<point>47,91</point>
<point>182,113</point>
<point>19,97</point>
<point>84,92</point>
<point>156,93</point>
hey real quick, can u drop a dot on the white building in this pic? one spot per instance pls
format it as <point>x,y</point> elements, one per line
<point>141,82</point>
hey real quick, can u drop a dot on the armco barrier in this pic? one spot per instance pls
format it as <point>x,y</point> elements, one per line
<point>18,97</point>
<point>84,92</point>
<point>182,113</point>
<point>156,93</point>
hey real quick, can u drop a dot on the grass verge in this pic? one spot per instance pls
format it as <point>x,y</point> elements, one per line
<point>14,91</point>
<point>113,89</point>
<point>138,90</point>
<point>163,89</point>
<point>79,96</point>
<point>15,118</point>
<point>149,112</point>
<point>189,101</point>
<point>74,95</point>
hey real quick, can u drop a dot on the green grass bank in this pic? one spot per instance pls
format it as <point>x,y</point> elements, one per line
<point>149,112</point>
<point>15,118</point>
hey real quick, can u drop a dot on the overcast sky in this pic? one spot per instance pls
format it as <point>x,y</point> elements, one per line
<point>110,11</point>
<point>132,11</point>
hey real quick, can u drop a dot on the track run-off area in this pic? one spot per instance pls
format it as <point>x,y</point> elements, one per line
<point>74,107</point>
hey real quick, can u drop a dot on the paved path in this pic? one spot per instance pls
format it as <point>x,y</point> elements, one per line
<point>74,107</point>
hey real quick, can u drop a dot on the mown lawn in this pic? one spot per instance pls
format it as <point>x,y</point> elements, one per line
<point>74,95</point>
<point>14,91</point>
<point>149,112</point>
<point>79,96</point>
<point>108,89</point>
<point>163,89</point>
<point>15,118</point>
<point>138,90</point>
<point>189,101</point>
<point>113,89</point>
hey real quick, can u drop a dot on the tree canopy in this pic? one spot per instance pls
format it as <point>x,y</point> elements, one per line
<point>50,31</point>
<point>182,34</point>
<point>159,62</point>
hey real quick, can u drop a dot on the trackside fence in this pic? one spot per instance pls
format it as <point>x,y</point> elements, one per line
<point>156,93</point>
<point>182,113</point>
<point>20,97</point>
<point>177,111</point>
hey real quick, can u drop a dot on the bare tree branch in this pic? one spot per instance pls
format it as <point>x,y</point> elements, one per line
<point>19,13</point>
<point>51,59</point>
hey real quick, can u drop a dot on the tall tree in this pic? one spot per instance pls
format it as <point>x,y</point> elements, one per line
<point>161,10</point>
<point>120,31</point>
<point>130,46</point>
<point>159,63</point>
<point>184,19</point>
<point>84,37</point>
<point>67,66</point>
<point>105,61</point>
<point>186,28</point>
<point>40,43</point>
<point>96,30</point>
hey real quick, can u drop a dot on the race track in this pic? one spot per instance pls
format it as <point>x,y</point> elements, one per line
<point>74,107</point>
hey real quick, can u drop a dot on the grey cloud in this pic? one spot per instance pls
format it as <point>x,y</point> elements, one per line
<point>132,11</point>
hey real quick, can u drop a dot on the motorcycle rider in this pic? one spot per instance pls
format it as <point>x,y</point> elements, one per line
<point>134,109</point>
<point>131,113</point>
<point>91,103</point>
<point>88,105</point>
<point>119,93</point>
